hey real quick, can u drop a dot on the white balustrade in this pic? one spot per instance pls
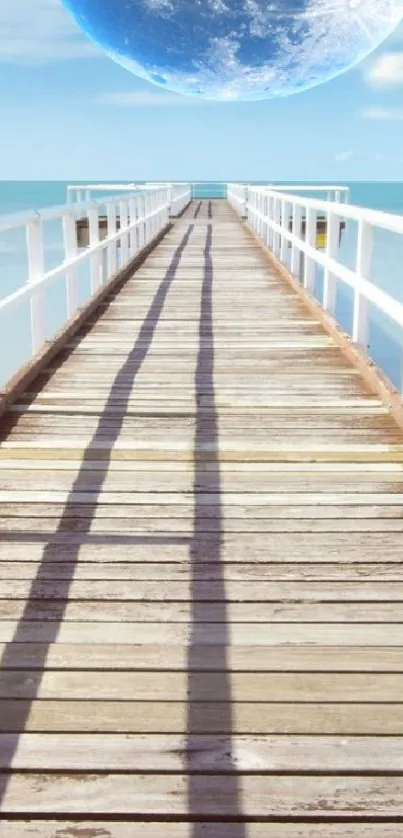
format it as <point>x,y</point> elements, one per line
<point>332,193</point>
<point>142,215</point>
<point>237,195</point>
<point>82,192</point>
<point>272,216</point>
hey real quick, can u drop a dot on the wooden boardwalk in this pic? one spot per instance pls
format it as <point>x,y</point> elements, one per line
<point>201,567</point>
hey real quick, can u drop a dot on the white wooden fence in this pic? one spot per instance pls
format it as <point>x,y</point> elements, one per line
<point>276,216</point>
<point>83,193</point>
<point>141,215</point>
<point>238,193</point>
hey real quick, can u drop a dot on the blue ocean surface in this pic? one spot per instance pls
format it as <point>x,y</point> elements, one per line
<point>385,339</point>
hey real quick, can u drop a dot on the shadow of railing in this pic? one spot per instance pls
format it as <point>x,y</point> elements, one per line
<point>210,708</point>
<point>123,383</point>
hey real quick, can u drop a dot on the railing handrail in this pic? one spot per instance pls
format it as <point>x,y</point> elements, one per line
<point>352,212</point>
<point>101,186</point>
<point>142,215</point>
<point>305,187</point>
<point>10,221</point>
<point>20,219</point>
<point>297,187</point>
<point>269,211</point>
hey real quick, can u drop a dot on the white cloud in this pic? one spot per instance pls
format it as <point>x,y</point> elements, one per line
<point>387,70</point>
<point>159,5</point>
<point>146,98</point>
<point>343,156</point>
<point>260,19</point>
<point>40,31</point>
<point>382,113</point>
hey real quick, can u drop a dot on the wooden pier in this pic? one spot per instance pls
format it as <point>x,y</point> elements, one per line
<point>201,564</point>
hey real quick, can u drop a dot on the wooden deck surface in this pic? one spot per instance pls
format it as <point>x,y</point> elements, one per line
<point>201,568</point>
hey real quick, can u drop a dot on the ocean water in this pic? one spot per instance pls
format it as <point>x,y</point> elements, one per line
<point>385,339</point>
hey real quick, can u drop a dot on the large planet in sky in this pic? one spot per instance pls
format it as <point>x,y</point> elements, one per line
<point>237,49</point>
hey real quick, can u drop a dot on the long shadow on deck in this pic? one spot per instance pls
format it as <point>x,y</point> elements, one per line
<point>213,714</point>
<point>57,606</point>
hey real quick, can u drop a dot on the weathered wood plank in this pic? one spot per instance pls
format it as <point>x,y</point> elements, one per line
<point>209,499</point>
<point>165,527</point>
<point>65,448</point>
<point>112,569</point>
<point>281,718</point>
<point>222,613</point>
<point>115,656</point>
<point>239,634</point>
<point>199,687</point>
<point>173,753</point>
<point>262,592</point>
<point>208,829</point>
<point>344,547</point>
<point>324,797</point>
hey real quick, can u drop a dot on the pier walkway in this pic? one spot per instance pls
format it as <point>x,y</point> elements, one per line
<point>201,543</point>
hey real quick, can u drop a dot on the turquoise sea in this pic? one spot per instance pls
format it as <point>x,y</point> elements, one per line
<point>385,341</point>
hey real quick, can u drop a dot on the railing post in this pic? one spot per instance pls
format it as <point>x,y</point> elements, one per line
<point>154,207</point>
<point>35,273</point>
<point>146,218</point>
<point>136,233</point>
<point>169,202</point>
<point>153,216</point>
<point>156,212</point>
<point>70,252</point>
<point>112,247</point>
<point>142,225</point>
<point>93,223</point>
<point>260,217</point>
<point>284,226</point>
<point>363,271</point>
<point>277,214</point>
<point>270,216</point>
<point>310,239</point>
<point>330,284</point>
<point>245,202</point>
<point>151,204</point>
<point>265,219</point>
<point>133,229</point>
<point>251,209</point>
<point>165,202</point>
<point>171,198</point>
<point>124,240</point>
<point>296,230</point>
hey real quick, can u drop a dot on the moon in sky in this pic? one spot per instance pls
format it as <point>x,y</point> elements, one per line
<point>237,49</point>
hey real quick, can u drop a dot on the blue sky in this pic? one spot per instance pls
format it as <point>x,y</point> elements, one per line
<point>68,112</point>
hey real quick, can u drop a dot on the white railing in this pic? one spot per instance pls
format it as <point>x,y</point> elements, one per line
<point>278,218</point>
<point>340,194</point>
<point>238,193</point>
<point>130,222</point>
<point>82,192</point>
<point>180,193</point>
